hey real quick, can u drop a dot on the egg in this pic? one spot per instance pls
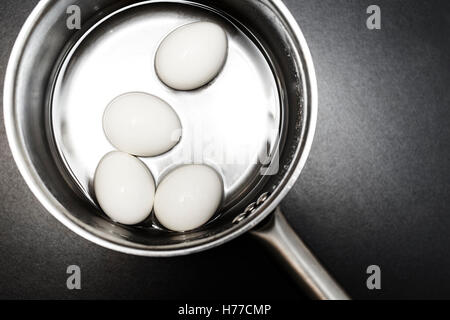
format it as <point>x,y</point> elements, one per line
<point>141,124</point>
<point>191,55</point>
<point>188,197</point>
<point>124,188</point>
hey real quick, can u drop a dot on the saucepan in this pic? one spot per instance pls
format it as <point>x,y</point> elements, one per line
<point>73,56</point>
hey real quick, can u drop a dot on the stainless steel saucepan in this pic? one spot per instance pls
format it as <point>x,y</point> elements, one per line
<point>263,107</point>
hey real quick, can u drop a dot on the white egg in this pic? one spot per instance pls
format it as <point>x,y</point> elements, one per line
<point>192,55</point>
<point>124,188</point>
<point>141,124</point>
<point>188,197</point>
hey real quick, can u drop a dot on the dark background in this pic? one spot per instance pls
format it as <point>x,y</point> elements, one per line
<point>375,189</point>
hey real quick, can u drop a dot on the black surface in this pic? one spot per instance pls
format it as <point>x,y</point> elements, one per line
<point>375,189</point>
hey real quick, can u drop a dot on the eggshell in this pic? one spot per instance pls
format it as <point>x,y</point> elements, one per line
<point>141,124</point>
<point>124,188</point>
<point>192,55</point>
<point>188,197</point>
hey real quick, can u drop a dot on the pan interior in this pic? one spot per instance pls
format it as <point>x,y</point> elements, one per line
<point>232,124</point>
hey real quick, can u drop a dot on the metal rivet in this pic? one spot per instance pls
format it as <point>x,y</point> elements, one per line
<point>262,198</point>
<point>251,207</point>
<point>240,217</point>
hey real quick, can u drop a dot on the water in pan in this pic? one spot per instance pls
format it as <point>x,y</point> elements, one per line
<point>228,124</point>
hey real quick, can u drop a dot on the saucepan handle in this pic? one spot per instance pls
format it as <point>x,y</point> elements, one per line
<point>277,234</point>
